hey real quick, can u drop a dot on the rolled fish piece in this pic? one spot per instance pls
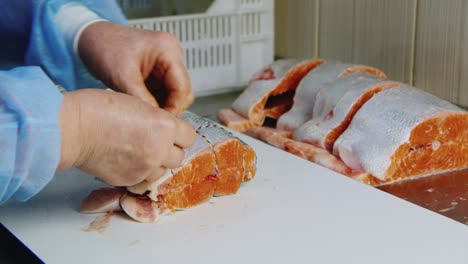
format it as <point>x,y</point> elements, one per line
<point>102,200</point>
<point>270,92</point>
<point>305,96</point>
<point>405,132</point>
<point>188,185</point>
<point>216,164</point>
<point>235,160</point>
<point>336,104</point>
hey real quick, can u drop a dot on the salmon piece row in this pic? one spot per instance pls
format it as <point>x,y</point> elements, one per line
<point>215,165</point>
<point>269,94</point>
<point>352,120</point>
<point>335,106</point>
<point>405,132</point>
<point>306,92</point>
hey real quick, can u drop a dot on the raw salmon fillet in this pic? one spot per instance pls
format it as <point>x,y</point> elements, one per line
<point>404,132</point>
<point>269,93</point>
<point>336,104</point>
<point>216,164</point>
<point>102,200</point>
<point>316,79</point>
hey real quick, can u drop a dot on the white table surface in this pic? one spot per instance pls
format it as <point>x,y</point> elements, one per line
<point>292,212</point>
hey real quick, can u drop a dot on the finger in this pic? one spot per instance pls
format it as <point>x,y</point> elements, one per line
<point>133,84</point>
<point>144,95</point>
<point>174,158</point>
<point>179,89</point>
<point>157,173</point>
<point>185,134</point>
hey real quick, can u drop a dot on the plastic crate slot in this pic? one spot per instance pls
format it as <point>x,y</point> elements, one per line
<point>211,56</point>
<point>200,58</point>
<point>194,59</point>
<point>205,56</point>
<point>218,62</point>
<point>223,58</point>
<point>187,58</point>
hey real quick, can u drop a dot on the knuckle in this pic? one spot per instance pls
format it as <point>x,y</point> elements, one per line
<point>166,38</point>
<point>170,37</point>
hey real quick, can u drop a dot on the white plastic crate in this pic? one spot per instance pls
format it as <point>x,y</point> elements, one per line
<point>224,46</point>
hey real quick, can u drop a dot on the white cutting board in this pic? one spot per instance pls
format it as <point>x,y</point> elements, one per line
<point>292,212</point>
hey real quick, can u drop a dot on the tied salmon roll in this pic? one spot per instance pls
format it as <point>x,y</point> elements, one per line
<point>216,165</point>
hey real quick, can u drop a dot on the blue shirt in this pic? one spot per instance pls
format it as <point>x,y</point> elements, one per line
<point>37,52</point>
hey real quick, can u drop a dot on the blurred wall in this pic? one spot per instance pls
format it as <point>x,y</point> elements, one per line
<point>421,42</point>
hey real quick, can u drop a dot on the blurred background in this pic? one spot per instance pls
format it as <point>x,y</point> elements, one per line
<point>420,42</point>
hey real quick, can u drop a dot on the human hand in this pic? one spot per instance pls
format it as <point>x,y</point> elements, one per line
<point>119,138</point>
<point>143,63</point>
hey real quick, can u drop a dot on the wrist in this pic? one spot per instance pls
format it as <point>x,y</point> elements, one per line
<point>70,128</point>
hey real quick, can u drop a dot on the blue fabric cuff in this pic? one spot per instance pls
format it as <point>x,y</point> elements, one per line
<point>55,30</point>
<point>72,19</point>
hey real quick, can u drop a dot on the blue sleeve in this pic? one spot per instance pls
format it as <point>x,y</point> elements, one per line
<point>54,27</point>
<point>30,134</point>
<point>29,101</point>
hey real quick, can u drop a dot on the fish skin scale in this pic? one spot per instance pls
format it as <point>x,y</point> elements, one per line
<point>304,99</point>
<point>278,68</point>
<point>341,95</point>
<point>254,94</point>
